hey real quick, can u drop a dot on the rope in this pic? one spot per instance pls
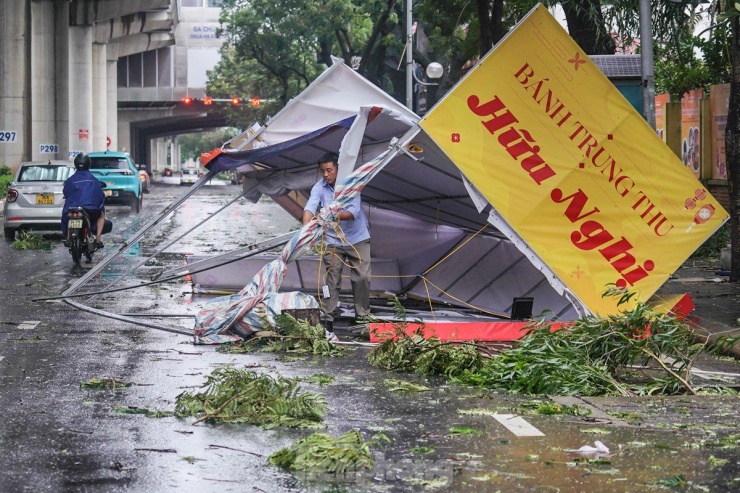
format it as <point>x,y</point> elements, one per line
<point>340,236</point>
<point>429,298</point>
<point>502,315</point>
<point>455,250</point>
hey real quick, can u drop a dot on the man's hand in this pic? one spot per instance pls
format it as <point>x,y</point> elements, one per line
<point>307,216</point>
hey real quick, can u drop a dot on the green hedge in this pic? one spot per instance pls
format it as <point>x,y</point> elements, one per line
<point>4,180</point>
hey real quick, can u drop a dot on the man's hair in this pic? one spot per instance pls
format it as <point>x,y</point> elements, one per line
<point>330,157</point>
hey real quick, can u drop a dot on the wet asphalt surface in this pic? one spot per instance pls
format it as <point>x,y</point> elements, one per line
<point>59,437</point>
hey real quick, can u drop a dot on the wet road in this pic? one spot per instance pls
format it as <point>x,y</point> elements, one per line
<point>57,436</point>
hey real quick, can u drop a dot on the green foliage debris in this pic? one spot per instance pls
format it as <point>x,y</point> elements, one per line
<point>239,396</point>
<point>714,462</point>
<point>635,352</point>
<point>321,453</point>
<point>549,408</point>
<point>104,383</point>
<point>395,385</point>
<point>31,241</point>
<point>319,379</point>
<point>291,336</point>
<point>413,353</point>
<point>422,450</point>
<point>463,430</point>
<point>142,410</point>
<point>673,482</point>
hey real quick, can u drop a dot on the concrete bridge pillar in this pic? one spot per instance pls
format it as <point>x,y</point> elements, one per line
<point>62,85</point>
<point>15,114</point>
<point>111,102</point>
<point>99,130</point>
<point>45,142</point>
<point>80,93</point>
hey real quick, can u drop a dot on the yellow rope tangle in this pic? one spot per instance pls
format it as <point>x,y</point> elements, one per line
<point>502,315</point>
<point>455,250</point>
<point>324,249</point>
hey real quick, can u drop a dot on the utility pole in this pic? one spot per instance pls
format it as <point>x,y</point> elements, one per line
<point>646,59</point>
<point>409,57</point>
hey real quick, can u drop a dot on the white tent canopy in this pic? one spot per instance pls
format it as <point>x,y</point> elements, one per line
<point>447,242</point>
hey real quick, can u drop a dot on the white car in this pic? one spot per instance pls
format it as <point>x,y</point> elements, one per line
<point>34,199</point>
<point>189,176</point>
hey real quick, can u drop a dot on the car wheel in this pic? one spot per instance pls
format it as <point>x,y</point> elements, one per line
<point>9,234</point>
<point>136,203</point>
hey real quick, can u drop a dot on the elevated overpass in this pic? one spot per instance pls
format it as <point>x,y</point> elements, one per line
<point>86,75</point>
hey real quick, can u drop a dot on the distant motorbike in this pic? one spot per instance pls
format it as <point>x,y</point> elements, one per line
<point>82,234</point>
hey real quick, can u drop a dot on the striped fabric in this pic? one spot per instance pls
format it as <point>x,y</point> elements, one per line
<point>233,318</point>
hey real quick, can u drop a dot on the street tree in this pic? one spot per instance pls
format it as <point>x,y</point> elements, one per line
<point>274,48</point>
<point>193,144</point>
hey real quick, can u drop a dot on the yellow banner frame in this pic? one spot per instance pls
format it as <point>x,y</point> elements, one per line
<point>566,160</point>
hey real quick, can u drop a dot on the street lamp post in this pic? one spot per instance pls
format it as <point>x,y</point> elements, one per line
<point>434,70</point>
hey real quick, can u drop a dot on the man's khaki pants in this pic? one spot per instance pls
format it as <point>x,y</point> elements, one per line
<point>357,258</point>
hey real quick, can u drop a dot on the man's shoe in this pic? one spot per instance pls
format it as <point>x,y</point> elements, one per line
<point>331,337</point>
<point>99,245</point>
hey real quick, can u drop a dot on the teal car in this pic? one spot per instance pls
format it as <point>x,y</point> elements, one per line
<point>121,177</point>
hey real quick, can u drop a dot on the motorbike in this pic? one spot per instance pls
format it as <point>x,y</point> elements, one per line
<point>81,234</point>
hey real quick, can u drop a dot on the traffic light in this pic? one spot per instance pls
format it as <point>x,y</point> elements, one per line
<point>236,101</point>
<point>208,100</point>
<point>256,101</point>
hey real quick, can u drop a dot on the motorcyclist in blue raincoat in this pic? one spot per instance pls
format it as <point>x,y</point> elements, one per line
<point>83,189</point>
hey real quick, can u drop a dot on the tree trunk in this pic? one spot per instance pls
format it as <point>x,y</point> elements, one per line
<point>485,42</point>
<point>732,149</point>
<point>586,26</point>
<point>490,24</point>
<point>367,64</point>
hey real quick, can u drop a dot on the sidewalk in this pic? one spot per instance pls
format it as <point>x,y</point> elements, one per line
<point>716,300</point>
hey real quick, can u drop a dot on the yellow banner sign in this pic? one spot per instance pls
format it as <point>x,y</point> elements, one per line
<point>572,167</point>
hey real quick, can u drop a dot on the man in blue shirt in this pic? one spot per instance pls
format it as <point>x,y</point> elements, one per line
<point>83,189</point>
<point>351,247</point>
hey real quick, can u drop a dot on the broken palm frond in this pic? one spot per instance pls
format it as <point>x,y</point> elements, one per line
<point>598,356</point>
<point>321,453</point>
<point>240,396</point>
<point>31,241</point>
<point>290,335</point>
<point>104,383</point>
<point>395,385</point>
<point>400,351</point>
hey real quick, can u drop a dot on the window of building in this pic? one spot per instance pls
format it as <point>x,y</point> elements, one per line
<point>192,3</point>
<point>164,67</point>
<point>134,70</point>
<point>123,72</point>
<point>149,69</point>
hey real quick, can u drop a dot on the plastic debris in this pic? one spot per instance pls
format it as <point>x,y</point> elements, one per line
<point>599,449</point>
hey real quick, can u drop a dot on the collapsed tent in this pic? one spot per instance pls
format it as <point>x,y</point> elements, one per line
<point>433,236</point>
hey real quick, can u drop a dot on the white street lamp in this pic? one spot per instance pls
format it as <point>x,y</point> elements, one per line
<point>434,69</point>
